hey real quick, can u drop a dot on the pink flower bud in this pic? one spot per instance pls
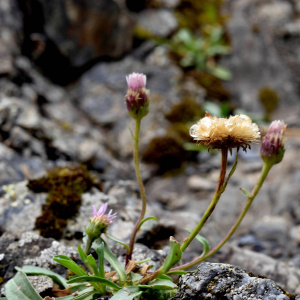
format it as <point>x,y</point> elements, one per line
<point>137,97</point>
<point>272,147</point>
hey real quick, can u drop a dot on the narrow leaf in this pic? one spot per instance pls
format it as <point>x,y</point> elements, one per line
<point>100,252</point>
<point>118,241</point>
<point>93,264</point>
<point>147,219</point>
<point>32,270</point>
<point>111,258</point>
<point>95,279</point>
<point>245,192</point>
<point>70,264</point>
<point>127,293</point>
<point>202,240</point>
<point>86,294</point>
<point>179,272</point>
<point>82,255</point>
<point>19,287</point>
<point>160,284</point>
<point>164,276</point>
<point>173,256</point>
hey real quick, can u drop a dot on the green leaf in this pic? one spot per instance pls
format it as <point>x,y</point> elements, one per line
<point>147,219</point>
<point>164,276</point>
<point>179,272</point>
<point>160,284</point>
<point>82,255</point>
<point>85,294</point>
<point>127,293</point>
<point>135,276</point>
<point>93,264</point>
<point>172,258</point>
<point>118,241</point>
<point>142,261</point>
<point>19,287</point>
<point>95,279</point>
<point>100,252</point>
<point>70,264</point>
<point>32,270</point>
<point>111,258</point>
<point>202,240</point>
<point>220,72</point>
<point>246,193</point>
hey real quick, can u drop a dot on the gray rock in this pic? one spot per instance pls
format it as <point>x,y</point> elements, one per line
<point>159,22</point>
<point>197,183</point>
<point>41,283</point>
<point>215,281</point>
<point>85,30</point>
<point>284,273</point>
<point>11,27</point>
<point>272,228</point>
<point>264,54</point>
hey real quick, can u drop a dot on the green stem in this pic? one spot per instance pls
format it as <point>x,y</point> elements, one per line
<point>141,186</point>
<point>263,175</point>
<point>88,245</point>
<point>213,202</point>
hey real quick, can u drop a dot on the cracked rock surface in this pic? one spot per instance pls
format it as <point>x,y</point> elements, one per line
<point>224,281</point>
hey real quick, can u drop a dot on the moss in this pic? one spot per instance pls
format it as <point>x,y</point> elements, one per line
<point>195,14</point>
<point>186,111</point>
<point>269,99</point>
<point>65,187</point>
<point>213,85</point>
<point>166,152</point>
<point>142,33</point>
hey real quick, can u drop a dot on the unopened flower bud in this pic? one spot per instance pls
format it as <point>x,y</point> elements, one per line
<point>99,222</point>
<point>272,147</point>
<point>137,97</point>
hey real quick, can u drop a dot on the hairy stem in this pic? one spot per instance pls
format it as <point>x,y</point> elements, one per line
<point>213,202</point>
<point>256,189</point>
<point>141,186</point>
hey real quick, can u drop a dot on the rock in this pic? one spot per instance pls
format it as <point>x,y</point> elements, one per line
<point>272,228</point>
<point>19,207</point>
<point>41,283</point>
<point>295,234</point>
<point>284,273</point>
<point>11,27</point>
<point>168,3</point>
<point>197,183</point>
<point>215,281</point>
<point>85,30</point>
<point>264,54</point>
<point>158,22</point>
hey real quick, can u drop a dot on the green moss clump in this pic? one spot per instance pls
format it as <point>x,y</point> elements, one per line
<point>194,14</point>
<point>166,152</point>
<point>269,99</point>
<point>186,111</point>
<point>65,187</point>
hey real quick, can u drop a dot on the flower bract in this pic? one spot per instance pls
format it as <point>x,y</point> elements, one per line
<point>272,147</point>
<point>137,97</point>
<point>99,221</point>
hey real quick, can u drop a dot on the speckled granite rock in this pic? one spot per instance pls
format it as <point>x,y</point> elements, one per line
<point>223,281</point>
